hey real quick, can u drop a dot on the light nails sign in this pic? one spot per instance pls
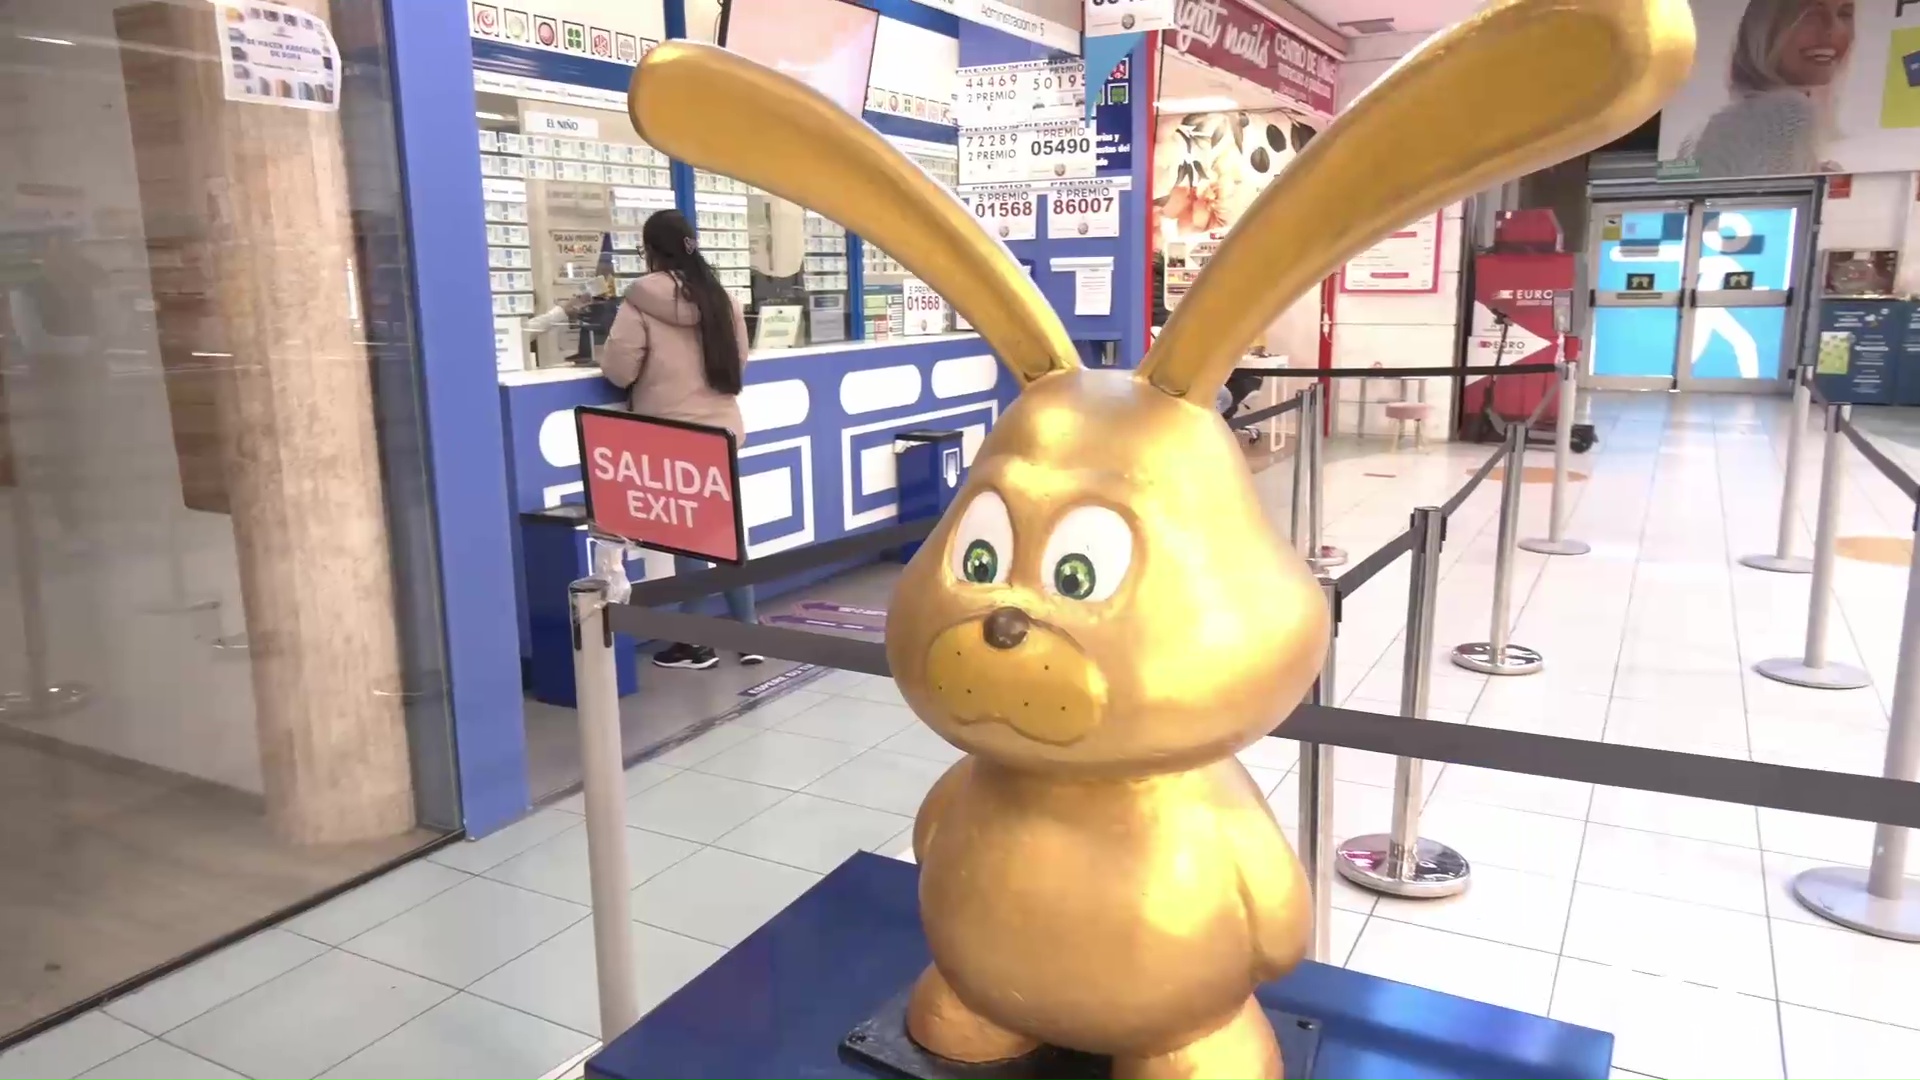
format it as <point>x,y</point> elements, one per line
<point>1236,39</point>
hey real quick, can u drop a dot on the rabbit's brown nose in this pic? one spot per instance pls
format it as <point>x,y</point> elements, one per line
<point>1006,628</point>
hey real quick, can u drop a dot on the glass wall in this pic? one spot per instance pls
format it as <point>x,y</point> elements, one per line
<point>221,673</point>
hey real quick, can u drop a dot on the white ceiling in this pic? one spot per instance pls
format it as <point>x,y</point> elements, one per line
<point>1185,80</point>
<point>1409,16</point>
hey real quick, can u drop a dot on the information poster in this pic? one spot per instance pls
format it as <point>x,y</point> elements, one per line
<point>1035,92</point>
<point>1405,261</point>
<point>1089,211</point>
<point>1860,340</point>
<point>1042,154</point>
<point>275,55</point>
<point>926,312</point>
<point>1010,213</point>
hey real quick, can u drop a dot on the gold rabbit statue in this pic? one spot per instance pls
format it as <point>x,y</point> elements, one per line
<point>1104,617</point>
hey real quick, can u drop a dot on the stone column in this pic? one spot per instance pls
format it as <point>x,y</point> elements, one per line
<point>252,201</point>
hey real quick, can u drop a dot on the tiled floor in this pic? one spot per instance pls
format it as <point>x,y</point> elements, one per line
<point>1664,920</point>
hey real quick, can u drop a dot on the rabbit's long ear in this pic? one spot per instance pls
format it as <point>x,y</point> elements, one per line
<point>1522,85</point>
<point>727,114</point>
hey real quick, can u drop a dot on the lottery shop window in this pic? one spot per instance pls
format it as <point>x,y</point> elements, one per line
<point>785,265</point>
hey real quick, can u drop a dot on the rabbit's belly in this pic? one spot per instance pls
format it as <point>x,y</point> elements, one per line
<point>1097,941</point>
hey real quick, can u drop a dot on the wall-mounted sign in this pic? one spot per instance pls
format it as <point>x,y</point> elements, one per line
<point>1404,261</point>
<point>1640,283</point>
<point>926,311</point>
<point>276,55</point>
<point>1033,92</point>
<point>1235,38</point>
<point>1737,279</point>
<point>1012,156</point>
<point>1010,213</point>
<point>1106,17</point>
<point>663,484</point>
<point>1083,212</point>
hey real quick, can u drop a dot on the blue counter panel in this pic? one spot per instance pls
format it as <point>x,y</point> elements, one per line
<point>778,1004</point>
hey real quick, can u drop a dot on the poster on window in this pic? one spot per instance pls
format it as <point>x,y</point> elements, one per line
<point>276,55</point>
<point>1797,87</point>
<point>1406,260</point>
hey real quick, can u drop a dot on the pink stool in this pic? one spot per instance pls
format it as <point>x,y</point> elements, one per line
<point>1416,412</point>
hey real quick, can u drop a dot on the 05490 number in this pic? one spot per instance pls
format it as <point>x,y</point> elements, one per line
<point>1071,144</point>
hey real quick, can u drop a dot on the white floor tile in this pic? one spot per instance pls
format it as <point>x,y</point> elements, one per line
<point>639,777</point>
<point>919,740</point>
<point>1718,875</point>
<point>466,1036</point>
<point>1510,906</point>
<point>161,1006</point>
<point>158,1060</point>
<point>1676,815</point>
<point>1515,791</point>
<point>558,867</point>
<point>813,833</point>
<point>1821,1044</point>
<point>707,744</point>
<point>1844,971</point>
<point>698,806</point>
<point>83,1043</point>
<point>363,908</point>
<point>1467,967</point>
<point>852,720</point>
<point>474,856</point>
<point>1496,836</point>
<point>467,931</point>
<point>881,780</point>
<point>1728,950</point>
<point>719,896</point>
<point>780,759</point>
<point>1670,1028</point>
<point>556,981</point>
<point>770,714</point>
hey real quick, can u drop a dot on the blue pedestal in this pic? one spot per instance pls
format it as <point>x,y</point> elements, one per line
<point>554,555</point>
<point>780,1002</point>
<point>929,466</point>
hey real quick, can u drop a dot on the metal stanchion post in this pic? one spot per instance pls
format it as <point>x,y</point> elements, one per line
<point>1497,655</point>
<point>597,690</point>
<point>42,696</point>
<point>1881,900</point>
<point>1301,418</point>
<point>1783,560</point>
<point>1556,542</point>
<point>1812,669</point>
<point>1316,799</point>
<point>1320,555</point>
<point>1402,863</point>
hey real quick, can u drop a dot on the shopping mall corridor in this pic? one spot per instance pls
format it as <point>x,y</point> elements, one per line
<point>1664,920</point>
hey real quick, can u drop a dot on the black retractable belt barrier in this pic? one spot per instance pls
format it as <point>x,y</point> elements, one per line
<point>1268,413</point>
<point>682,587</point>
<point>1401,373</point>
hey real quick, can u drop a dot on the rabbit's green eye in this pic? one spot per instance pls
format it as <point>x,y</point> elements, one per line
<point>980,564</point>
<point>1089,554</point>
<point>1073,577</point>
<point>981,550</point>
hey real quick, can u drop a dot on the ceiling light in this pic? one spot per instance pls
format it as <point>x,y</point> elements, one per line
<point>492,116</point>
<point>44,40</point>
<point>1196,104</point>
<point>1364,27</point>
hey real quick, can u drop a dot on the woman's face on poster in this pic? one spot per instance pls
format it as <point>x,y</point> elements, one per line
<point>1816,43</point>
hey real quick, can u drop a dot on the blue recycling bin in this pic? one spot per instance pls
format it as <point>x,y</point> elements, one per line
<point>929,468</point>
<point>553,550</point>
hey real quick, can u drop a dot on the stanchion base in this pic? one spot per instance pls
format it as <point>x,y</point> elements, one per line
<point>1437,870</point>
<point>1794,671</point>
<point>49,702</point>
<point>1479,656</point>
<point>1327,556</point>
<point>1778,564</point>
<point>182,607</point>
<point>1556,547</point>
<point>1840,893</point>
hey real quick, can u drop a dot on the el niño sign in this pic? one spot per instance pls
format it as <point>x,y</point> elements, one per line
<point>662,484</point>
<point>1228,35</point>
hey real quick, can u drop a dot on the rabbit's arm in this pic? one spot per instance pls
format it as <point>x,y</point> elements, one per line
<point>1274,891</point>
<point>936,801</point>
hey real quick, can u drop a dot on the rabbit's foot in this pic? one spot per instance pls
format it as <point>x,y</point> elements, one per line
<point>940,1022</point>
<point>1243,1047</point>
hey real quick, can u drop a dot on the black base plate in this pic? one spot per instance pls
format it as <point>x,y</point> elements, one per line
<point>882,1043</point>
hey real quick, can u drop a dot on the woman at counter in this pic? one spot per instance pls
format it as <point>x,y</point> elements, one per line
<point>678,347</point>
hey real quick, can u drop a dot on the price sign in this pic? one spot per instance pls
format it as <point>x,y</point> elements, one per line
<point>926,311</point>
<point>1040,91</point>
<point>1010,213</point>
<point>1062,152</point>
<point>991,157</point>
<point>1091,211</point>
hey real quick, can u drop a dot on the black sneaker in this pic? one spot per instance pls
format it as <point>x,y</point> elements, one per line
<point>688,657</point>
<point>749,659</point>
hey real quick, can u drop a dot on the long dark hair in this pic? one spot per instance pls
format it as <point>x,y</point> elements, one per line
<point>672,249</point>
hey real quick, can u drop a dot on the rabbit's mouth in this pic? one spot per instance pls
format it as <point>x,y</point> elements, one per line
<point>1042,685</point>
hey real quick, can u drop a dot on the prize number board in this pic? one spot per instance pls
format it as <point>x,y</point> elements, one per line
<point>1091,211</point>
<point>1010,213</point>
<point>1035,92</point>
<point>926,312</point>
<point>1016,156</point>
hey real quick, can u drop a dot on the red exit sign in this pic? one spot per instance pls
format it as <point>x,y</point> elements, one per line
<point>662,484</point>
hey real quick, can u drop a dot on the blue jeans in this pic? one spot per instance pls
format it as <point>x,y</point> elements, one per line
<point>739,600</point>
